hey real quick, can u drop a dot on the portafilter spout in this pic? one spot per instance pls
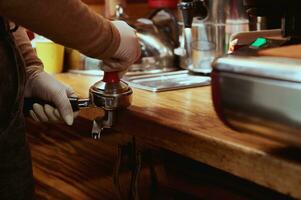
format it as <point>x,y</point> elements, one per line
<point>110,94</point>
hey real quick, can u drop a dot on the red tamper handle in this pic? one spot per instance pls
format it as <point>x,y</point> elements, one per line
<point>111,77</point>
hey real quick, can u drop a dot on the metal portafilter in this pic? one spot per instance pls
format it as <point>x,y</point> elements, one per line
<point>110,94</point>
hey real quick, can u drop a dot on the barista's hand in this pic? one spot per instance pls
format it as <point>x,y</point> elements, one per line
<point>45,87</point>
<point>128,52</point>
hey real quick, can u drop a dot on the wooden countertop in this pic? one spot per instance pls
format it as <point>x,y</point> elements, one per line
<point>184,122</point>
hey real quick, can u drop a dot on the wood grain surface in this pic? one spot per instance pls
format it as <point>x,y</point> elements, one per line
<point>68,164</point>
<point>184,122</point>
<point>292,51</point>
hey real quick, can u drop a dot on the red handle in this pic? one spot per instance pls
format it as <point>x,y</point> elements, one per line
<point>111,77</point>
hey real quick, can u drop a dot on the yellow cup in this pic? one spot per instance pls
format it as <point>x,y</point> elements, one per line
<point>52,56</point>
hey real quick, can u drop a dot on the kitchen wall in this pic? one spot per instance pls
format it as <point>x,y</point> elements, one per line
<point>101,1</point>
<point>135,8</point>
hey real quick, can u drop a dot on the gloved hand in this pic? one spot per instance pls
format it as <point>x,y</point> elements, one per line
<point>45,87</point>
<point>128,52</point>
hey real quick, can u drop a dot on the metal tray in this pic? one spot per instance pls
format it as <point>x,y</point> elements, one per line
<point>167,81</point>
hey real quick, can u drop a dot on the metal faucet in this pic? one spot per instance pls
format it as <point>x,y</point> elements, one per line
<point>110,94</point>
<point>191,9</point>
<point>214,13</point>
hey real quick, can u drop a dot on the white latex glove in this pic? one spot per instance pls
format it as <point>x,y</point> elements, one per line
<point>45,87</point>
<point>128,51</point>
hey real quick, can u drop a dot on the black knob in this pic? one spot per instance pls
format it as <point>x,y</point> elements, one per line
<point>187,9</point>
<point>201,10</point>
<point>191,9</point>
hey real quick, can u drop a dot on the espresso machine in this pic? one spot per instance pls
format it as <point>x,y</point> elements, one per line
<point>253,91</point>
<point>207,26</point>
<point>260,93</point>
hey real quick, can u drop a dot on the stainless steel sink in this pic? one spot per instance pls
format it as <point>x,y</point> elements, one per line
<point>167,81</point>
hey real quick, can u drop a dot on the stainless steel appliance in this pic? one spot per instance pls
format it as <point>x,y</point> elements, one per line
<point>216,21</point>
<point>158,35</point>
<point>259,94</point>
<point>190,9</point>
<point>262,94</point>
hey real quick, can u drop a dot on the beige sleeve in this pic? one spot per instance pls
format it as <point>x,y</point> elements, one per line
<point>68,22</point>
<point>33,64</point>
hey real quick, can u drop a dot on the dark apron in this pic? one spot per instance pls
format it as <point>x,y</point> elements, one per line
<point>16,179</point>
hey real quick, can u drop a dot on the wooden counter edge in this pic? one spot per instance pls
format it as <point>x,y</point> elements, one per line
<point>250,164</point>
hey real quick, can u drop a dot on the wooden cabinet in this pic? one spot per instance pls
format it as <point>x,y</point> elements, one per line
<point>68,164</point>
<point>184,122</point>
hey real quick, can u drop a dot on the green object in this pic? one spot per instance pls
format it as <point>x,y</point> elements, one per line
<point>259,42</point>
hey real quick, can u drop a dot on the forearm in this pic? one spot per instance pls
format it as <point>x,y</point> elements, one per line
<point>68,22</point>
<point>42,85</point>
<point>33,64</point>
